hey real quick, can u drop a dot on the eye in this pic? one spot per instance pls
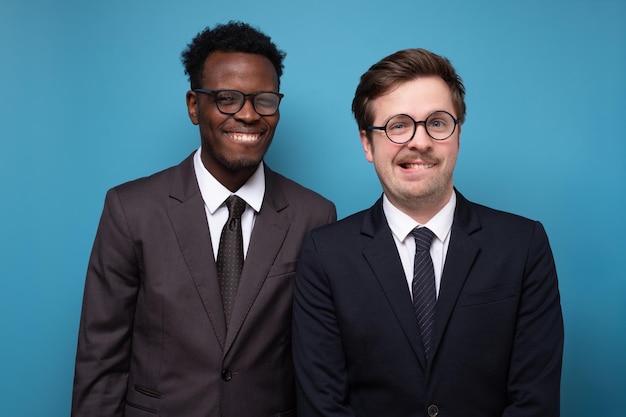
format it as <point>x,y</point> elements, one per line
<point>440,122</point>
<point>226,98</point>
<point>266,100</point>
<point>396,126</point>
<point>399,125</point>
<point>437,123</point>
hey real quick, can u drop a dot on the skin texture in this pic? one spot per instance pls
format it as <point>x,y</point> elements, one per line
<point>233,145</point>
<point>415,176</point>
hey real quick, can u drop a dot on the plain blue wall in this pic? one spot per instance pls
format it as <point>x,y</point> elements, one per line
<point>93,94</point>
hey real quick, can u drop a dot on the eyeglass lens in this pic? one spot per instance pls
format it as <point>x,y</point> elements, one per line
<point>230,102</point>
<point>401,128</point>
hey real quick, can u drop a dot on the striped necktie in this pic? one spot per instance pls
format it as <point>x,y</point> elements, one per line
<point>423,286</point>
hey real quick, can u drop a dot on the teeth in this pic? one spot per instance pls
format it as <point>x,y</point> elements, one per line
<point>418,166</point>
<point>242,137</point>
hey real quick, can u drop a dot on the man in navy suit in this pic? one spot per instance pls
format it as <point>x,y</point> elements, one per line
<point>471,326</point>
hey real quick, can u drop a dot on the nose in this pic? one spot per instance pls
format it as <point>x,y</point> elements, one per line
<point>247,112</point>
<point>421,140</point>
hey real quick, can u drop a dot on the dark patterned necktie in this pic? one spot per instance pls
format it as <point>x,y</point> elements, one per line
<point>230,254</point>
<point>423,286</point>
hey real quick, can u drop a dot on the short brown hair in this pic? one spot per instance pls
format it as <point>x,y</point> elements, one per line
<point>403,66</point>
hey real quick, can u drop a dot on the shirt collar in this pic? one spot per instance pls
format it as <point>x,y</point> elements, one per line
<point>214,193</point>
<point>402,224</point>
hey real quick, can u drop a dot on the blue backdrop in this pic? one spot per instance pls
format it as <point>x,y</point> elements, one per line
<point>93,94</point>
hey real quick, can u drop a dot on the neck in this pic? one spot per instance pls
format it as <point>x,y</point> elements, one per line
<point>232,176</point>
<point>422,209</point>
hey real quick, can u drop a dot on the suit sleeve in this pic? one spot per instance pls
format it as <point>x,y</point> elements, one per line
<point>536,358</point>
<point>103,353</point>
<point>320,365</point>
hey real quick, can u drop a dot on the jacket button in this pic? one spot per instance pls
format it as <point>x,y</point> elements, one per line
<point>227,375</point>
<point>433,410</point>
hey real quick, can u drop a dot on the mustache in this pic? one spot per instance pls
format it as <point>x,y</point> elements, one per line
<point>412,156</point>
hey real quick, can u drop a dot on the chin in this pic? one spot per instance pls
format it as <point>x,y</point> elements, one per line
<point>241,164</point>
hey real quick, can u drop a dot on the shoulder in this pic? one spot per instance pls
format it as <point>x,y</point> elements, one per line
<point>158,185</point>
<point>493,215</point>
<point>344,234</point>
<point>493,225</point>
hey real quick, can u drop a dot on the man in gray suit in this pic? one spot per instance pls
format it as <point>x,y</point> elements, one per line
<point>158,334</point>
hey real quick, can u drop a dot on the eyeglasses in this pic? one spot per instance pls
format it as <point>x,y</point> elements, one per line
<point>401,128</point>
<point>265,103</point>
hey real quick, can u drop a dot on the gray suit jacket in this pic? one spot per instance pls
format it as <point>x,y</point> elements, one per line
<point>153,339</point>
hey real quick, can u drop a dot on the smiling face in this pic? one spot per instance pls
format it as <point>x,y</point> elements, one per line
<point>233,145</point>
<point>416,176</point>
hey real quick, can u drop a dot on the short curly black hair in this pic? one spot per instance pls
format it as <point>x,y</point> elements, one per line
<point>230,37</point>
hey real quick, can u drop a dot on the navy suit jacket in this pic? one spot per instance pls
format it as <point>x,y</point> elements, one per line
<point>153,339</point>
<point>498,333</point>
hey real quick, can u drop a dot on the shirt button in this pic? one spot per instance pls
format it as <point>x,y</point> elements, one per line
<point>433,410</point>
<point>227,375</point>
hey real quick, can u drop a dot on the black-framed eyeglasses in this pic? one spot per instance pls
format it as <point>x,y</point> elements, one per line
<point>231,101</point>
<point>401,128</point>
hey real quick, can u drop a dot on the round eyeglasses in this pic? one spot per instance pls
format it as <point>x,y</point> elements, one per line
<point>401,128</point>
<point>265,103</point>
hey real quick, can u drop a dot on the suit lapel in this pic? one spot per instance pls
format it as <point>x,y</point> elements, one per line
<point>382,255</point>
<point>462,252</point>
<point>270,229</point>
<point>192,231</point>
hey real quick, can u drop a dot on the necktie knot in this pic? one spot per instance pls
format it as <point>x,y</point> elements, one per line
<point>236,206</point>
<point>423,238</point>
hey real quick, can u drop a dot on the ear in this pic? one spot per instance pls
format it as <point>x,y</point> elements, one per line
<point>192,106</point>
<point>367,146</point>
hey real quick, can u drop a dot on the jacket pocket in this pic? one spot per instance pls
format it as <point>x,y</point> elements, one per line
<point>142,401</point>
<point>491,296</point>
<point>290,413</point>
<point>147,391</point>
<point>282,269</point>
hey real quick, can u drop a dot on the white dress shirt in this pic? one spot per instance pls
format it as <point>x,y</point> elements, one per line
<point>401,226</point>
<point>215,194</point>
